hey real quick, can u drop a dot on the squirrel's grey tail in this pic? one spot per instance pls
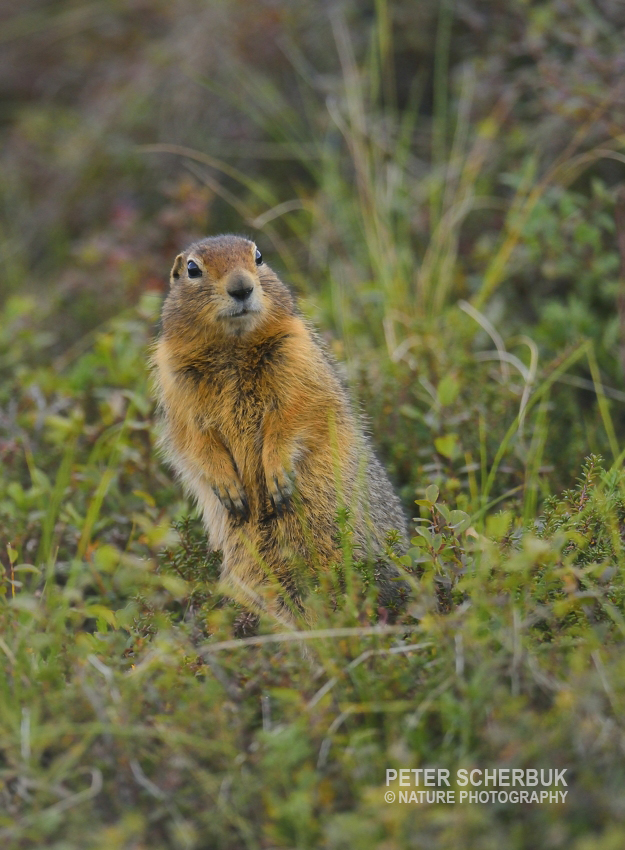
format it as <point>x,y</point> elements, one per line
<point>384,513</point>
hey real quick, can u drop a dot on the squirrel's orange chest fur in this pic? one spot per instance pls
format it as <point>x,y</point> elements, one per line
<point>230,392</point>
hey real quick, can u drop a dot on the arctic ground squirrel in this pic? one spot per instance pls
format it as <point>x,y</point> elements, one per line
<point>260,428</point>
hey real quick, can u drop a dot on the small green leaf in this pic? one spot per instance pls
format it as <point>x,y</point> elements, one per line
<point>425,558</point>
<point>459,521</point>
<point>448,390</point>
<point>431,493</point>
<point>101,612</point>
<point>443,511</point>
<point>410,412</point>
<point>446,446</point>
<point>425,534</point>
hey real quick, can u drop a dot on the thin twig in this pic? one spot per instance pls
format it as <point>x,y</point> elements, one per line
<point>319,634</point>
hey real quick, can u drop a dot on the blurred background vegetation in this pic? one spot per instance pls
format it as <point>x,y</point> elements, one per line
<point>442,183</point>
<point>393,160</point>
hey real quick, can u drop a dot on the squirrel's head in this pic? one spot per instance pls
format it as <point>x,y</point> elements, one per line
<point>221,286</point>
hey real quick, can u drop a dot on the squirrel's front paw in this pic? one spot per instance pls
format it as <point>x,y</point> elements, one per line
<point>280,485</point>
<point>232,496</point>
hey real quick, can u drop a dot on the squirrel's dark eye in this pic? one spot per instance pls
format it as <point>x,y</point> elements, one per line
<point>258,257</point>
<point>193,269</point>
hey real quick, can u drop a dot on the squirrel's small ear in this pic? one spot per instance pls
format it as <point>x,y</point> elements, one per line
<point>177,268</point>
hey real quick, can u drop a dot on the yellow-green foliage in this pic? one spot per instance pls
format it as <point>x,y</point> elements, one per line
<point>439,182</point>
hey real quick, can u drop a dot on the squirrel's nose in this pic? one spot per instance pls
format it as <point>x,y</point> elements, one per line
<point>239,288</point>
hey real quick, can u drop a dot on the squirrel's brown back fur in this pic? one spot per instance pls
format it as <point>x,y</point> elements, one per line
<point>259,426</point>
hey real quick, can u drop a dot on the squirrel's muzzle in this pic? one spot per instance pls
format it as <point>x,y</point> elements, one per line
<point>240,287</point>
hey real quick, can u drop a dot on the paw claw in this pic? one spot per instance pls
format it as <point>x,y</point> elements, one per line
<point>234,501</point>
